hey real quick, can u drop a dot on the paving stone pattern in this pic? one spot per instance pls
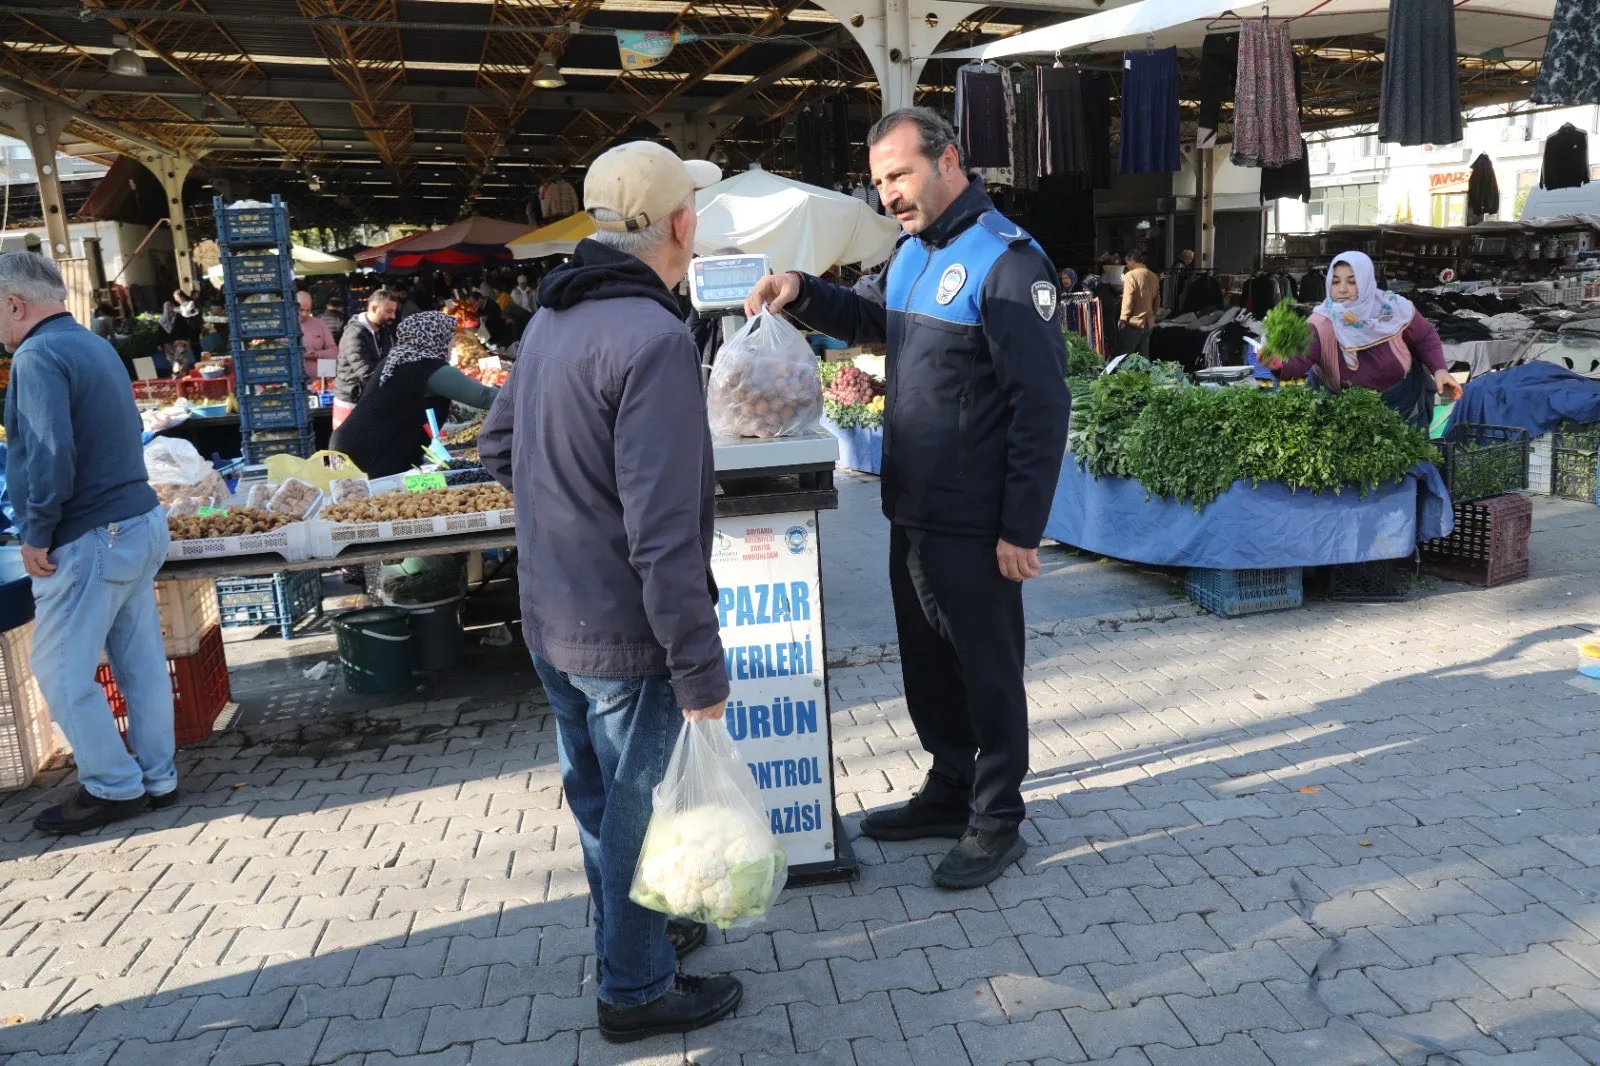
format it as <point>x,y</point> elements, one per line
<point>403,888</point>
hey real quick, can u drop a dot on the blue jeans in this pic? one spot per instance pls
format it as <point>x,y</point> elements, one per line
<point>102,597</point>
<point>614,735</point>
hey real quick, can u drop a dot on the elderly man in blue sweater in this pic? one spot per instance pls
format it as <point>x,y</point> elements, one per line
<point>93,538</point>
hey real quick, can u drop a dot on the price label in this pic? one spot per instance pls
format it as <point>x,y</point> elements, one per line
<point>207,512</point>
<point>424,482</point>
<point>489,362</point>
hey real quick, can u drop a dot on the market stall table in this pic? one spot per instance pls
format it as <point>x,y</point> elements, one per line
<point>767,564</point>
<point>221,435</point>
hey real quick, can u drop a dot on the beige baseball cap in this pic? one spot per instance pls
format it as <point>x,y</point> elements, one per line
<point>644,182</point>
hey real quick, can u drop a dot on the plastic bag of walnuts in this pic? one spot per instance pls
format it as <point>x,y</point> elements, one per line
<point>764,383</point>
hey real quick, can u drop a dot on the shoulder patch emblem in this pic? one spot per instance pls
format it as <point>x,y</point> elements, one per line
<point>950,283</point>
<point>1044,299</point>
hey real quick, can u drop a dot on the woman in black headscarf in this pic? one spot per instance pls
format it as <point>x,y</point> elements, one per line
<point>388,430</point>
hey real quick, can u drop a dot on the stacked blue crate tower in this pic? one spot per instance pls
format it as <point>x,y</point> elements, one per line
<point>268,364</point>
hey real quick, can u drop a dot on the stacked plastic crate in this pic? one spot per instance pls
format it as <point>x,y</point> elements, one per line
<point>268,364</point>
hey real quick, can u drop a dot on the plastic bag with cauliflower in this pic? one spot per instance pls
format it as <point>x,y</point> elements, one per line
<point>709,853</point>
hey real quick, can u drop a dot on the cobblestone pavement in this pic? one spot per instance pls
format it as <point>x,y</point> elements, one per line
<point>404,887</point>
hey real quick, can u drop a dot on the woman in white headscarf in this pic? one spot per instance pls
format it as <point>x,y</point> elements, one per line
<point>1369,337</point>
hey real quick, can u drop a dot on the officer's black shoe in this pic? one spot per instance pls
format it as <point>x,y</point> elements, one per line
<point>979,858</point>
<point>84,811</point>
<point>933,812</point>
<point>163,801</point>
<point>691,1003</point>
<point>685,935</point>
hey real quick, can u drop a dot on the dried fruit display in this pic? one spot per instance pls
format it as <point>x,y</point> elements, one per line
<point>237,522</point>
<point>398,506</point>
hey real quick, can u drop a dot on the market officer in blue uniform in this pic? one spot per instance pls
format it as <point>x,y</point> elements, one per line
<point>975,427</point>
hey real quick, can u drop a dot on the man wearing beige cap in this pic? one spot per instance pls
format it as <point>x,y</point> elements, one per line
<point>600,433</point>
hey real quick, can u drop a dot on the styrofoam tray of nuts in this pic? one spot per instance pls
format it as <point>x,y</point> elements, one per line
<point>406,516</point>
<point>291,542</point>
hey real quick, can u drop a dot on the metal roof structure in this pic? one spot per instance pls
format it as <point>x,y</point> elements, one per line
<point>427,110</point>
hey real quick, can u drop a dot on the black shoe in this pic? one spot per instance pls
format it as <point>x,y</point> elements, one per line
<point>85,811</point>
<point>163,801</point>
<point>691,1003</point>
<point>979,858</point>
<point>935,811</point>
<point>685,935</point>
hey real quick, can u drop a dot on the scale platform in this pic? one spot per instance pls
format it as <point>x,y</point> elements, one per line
<point>754,457</point>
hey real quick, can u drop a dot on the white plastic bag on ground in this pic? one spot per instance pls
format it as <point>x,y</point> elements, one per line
<point>764,383</point>
<point>709,853</point>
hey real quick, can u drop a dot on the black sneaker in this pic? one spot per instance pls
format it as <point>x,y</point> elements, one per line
<point>685,935</point>
<point>84,811</point>
<point>933,812</point>
<point>691,1003</point>
<point>163,801</point>
<point>979,858</point>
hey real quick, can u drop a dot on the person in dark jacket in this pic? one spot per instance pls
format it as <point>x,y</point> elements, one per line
<point>601,434</point>
<point>975,427</point>
<point>387,431</point>
<point>366,341</point>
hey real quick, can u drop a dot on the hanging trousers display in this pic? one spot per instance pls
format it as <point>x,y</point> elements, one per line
<point>1570,73</point>
<point>1095,89</point>
<point>1266,110</point>
<point>1025,129</point>
<point>1219,71</point>
<point>1421,101</point>
<point>1566,158</point>
<point>1063,146</point>
<point>1150,113</point>
<point>982,114</point>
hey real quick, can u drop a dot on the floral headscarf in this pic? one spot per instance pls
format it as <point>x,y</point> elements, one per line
<point>1373,316</point>
<point>420,337</point>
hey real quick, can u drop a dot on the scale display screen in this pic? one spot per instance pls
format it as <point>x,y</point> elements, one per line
<point>720,282</point>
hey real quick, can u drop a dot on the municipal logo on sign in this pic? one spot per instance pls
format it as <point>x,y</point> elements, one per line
<point>950,284</point>
<point>1044,299</point>
<point>796,538</point>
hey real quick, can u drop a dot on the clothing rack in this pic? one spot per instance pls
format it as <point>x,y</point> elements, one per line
<point>1080,313</point>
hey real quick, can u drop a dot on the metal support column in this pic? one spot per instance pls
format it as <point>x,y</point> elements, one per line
<point>171,170</point>
<point>893,36</point>
<point>39,125</point>
<point>1205,208</point>
<point>692,136</point>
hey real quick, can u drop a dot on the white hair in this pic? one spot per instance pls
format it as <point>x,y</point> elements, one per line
<point>32,277</point>
<point>637,243</point>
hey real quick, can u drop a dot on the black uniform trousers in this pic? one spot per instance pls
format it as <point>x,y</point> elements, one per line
<point>961,655</point>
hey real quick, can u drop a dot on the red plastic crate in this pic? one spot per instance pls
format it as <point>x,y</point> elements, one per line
<point>206,388</point>
<point>163,391</point>
<point>199,689</point>
<point>1489,545</point>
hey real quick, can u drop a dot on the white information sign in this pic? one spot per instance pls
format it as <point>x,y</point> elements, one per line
<point>769,605</point>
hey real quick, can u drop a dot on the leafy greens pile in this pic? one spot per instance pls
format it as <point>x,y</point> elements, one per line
<point>1192,444</point>
<point>1287,335</point>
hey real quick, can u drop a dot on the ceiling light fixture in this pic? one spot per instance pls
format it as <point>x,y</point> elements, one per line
<point>545,75</point>
<point>125,61</point>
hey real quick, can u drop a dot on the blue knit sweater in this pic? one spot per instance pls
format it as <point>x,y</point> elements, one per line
<point>75,459</point>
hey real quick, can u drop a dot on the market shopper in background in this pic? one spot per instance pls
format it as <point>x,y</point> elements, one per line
<point>93,537</point>
<point>600,432</point>
<point>524,295</point>
<point>1141,293</point>
<point>366,341</point>
<point>1367,336</point>
<point>975,426</point>
<point>333,317</point>
<point>316,340</point>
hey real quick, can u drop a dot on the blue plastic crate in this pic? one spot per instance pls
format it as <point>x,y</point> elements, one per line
<point>1231,593</point>
<point>272,362</point>
<point>252,227</point>
<point>257,447</point>
<point>285,600</point>
<point>263,318</point>
<point>277,410</point>
<point>262,270</point>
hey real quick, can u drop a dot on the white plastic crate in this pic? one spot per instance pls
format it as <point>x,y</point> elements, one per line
<point>188,609</point>
<point>1540,468</point>
<point>27,736</point>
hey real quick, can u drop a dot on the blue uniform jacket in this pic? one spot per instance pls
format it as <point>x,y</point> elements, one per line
<point>975,420</point>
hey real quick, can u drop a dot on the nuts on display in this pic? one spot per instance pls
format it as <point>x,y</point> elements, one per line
<point>237,522</point>
<point>399,506</point>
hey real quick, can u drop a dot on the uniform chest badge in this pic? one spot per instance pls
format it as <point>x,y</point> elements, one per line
<point>950,283</point>
<point>1044,299</point>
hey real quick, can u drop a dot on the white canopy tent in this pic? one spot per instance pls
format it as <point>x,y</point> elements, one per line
<point>1509,29</point>
<point>797,226</point>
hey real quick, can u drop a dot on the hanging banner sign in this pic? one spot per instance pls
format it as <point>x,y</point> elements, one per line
<point>769,606</point>
<point>642,49</point>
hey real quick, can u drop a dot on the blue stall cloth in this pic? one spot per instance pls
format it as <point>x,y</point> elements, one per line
<point>1249,529</point>
<point>859,449</point>
<point>1535,396</point>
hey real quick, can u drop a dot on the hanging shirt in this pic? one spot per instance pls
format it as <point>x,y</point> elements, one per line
<point>1483,189</point>
<point>1566,159</point>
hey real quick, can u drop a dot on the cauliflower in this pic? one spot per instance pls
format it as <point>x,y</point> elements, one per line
<point>708,863</point>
